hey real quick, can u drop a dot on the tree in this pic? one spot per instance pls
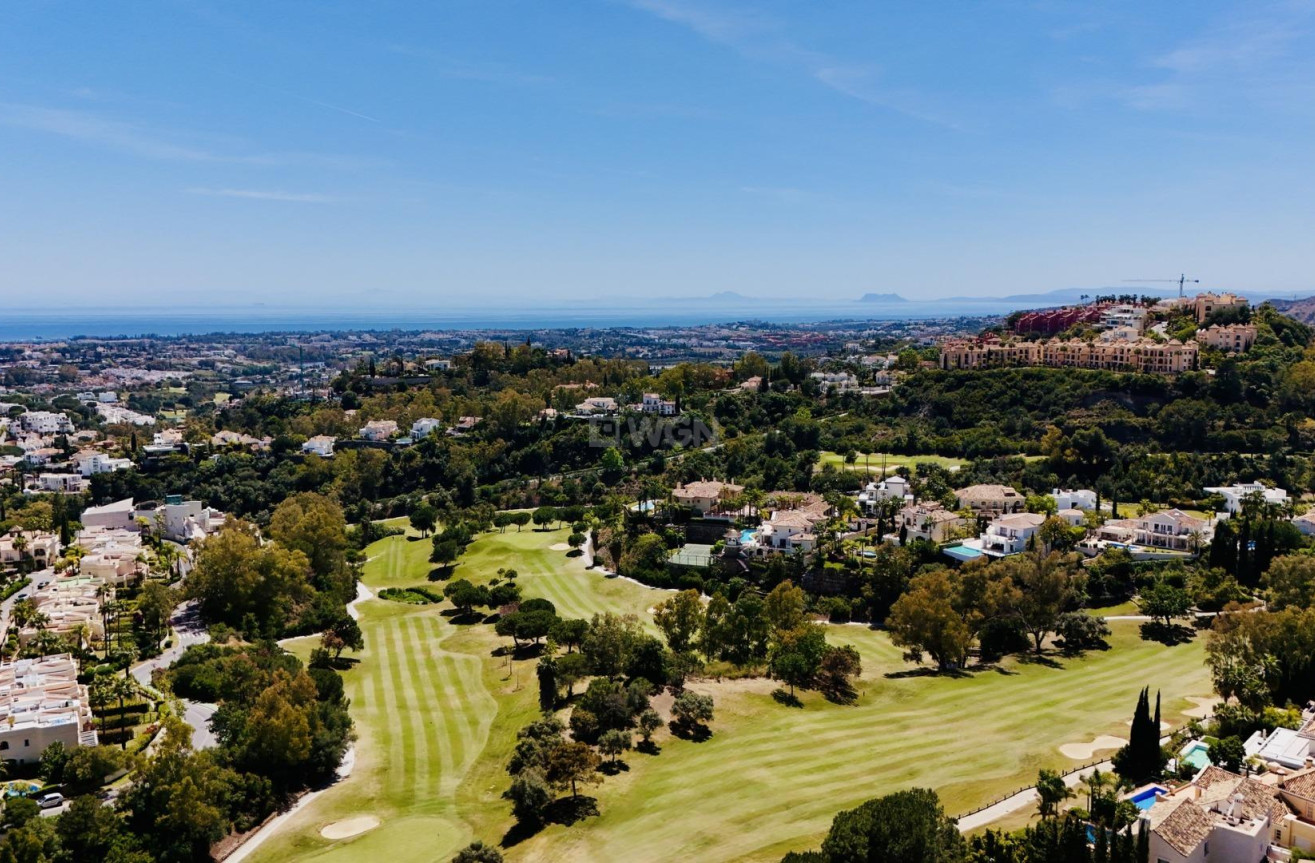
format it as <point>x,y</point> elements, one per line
<point>1051,791</point>
<point>1044,588</point>
<point>1142,759</point>
<point>1163,601</point>
<point>1081,631</point>
<point>835,677</point>
<point>904,827</point>
<point>679,617</point>
<point>924,620</point>
<point>478,852</point>
<point>649,722</point>
<point>529,795</point>
<point>571,669</point>
<point>613,742</point>
<point>346,633</point>
<point>784,606</point>
<point>465,595</point>
<point>445,553</point>
<point>691,712</point>
<point>239,581</point>
<point>1290,581</point>
<point>1228,753</point>
<point>155,604</point>
<point>610,642</point>
<point>569,632</point>
<point>644,558</point>
<point>572,764</point>
<point>546,671</point>
<point>520,519</point>
<point>424,518</point>
<point>797,655</point>
<point>544,516</point>
<point>315,525</point>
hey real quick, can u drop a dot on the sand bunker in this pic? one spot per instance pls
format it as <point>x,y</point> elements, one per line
<point>349,827</point>
<point>1083,751</point>
<point>1205,707</point>
<point>559,546</point>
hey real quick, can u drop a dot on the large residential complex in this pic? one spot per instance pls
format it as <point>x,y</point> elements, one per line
<point>41,702</point>
<point>1142,354</point>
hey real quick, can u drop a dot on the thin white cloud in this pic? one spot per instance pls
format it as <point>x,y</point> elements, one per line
<point>266,195</point>
<point>756,37</point>
<point>452,67</point>
<point>155,144</point>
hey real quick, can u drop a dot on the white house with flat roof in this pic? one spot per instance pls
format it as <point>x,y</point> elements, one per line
<point>424,427</point>
<point>321,445</point>
<point>41,702</point>
<point>1235,495</point>
<point>117,515</point>
<point>1068,498</point>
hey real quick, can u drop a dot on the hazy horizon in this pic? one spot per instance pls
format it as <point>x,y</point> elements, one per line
<point>476,154</point>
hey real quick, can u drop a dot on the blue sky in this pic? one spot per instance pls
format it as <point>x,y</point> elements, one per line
<point>490,151</point>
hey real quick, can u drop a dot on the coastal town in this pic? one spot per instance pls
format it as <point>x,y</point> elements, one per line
<point>176,512</point>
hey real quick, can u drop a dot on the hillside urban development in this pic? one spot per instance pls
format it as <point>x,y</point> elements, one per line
<point>1039,587</point>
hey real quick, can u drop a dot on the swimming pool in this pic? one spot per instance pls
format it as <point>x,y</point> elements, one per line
<point>1196,754</point>
<point>1145,799</point>
<point>747,535</point>
<point>963,552</point>
<point>21,788</point>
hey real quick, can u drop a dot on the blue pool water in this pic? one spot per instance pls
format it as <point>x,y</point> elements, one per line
<point>746,536</point>
<point>963,552</point>
<point>1146,799</point>
<point>1197,755</point>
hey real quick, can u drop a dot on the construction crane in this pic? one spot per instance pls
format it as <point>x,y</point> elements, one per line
<point>1180,282</point>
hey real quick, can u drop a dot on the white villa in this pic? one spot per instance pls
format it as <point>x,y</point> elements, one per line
<point>990,499</point>
<point>1235,495</point>
<point>41,702</point>
<point>655,404</point>
<point>890,488</point>
<point>597,405</point>
<point>91,463</point>
<point>40,548</point>
<point>1009,534</point>
<point>378,430</point>
<point>45,422</point>
<point>424,427</point>
<point>321,445</point>
<point>1170,529</point>
<point>1067,498</point>
<point>705,496</point>
<point>1221,816</point>
<point>110,555</point>
<point>931,522</point>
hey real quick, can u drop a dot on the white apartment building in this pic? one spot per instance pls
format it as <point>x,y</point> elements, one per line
<point>45,422</point>
<point>62,483</point>
<point>41,702</point>
<point>92,463</point>
<point>112,516</point>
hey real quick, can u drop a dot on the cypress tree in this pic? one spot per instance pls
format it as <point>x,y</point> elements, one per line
<point>547,672</point>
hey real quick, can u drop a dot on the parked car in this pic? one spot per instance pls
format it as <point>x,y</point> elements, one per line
<point>51,801</point>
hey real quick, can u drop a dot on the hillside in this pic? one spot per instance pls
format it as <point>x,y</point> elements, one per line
<point>1302,309</point>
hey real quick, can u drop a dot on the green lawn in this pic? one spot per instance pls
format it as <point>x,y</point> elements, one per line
<point>437,715</point>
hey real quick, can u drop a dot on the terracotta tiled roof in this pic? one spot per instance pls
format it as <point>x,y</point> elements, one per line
<point>1184,827</point>
<point>1300,784</point>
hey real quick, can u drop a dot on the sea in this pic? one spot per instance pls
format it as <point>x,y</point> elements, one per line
<point>41,325</point>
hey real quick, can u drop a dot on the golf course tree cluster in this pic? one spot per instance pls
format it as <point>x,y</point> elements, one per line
<point>771,633</point>
<point>295,577</point>
<point>912,827</point>
<point>1262,660</point>
<point>624,668</point>
<point>1013,605</point>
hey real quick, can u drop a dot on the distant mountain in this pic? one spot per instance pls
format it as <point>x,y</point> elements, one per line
<point>882,298</point>
<point>1302,309</point>
<point>725,297</point>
